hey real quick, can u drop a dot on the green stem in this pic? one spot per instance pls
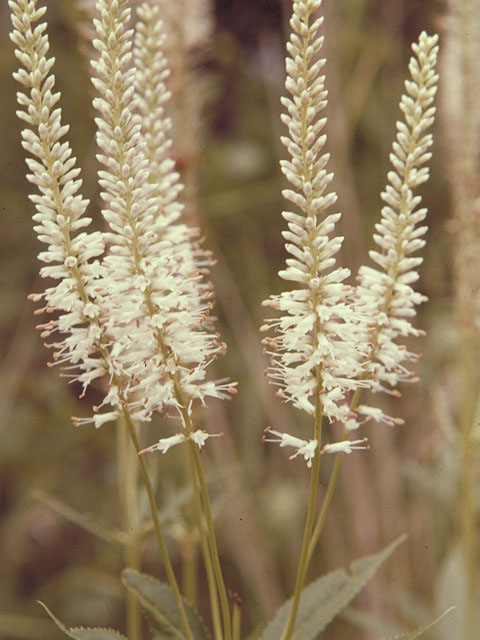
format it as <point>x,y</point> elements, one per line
<point>237,619</point>
<point>307,535</point>
<point>195,457</point>
<point>310,539</point>
<point>207,559</point>
<point>127,482</point>
<point>189,542</point>
<point>332,483</point>
<point>158,530</point>
<point>212,586</point>
<point>212,542</point>
<point>190,567</point>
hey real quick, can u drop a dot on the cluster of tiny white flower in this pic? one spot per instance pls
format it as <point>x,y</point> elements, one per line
<point>335,339</point>
<point>385,294</point>
<point>314,352</point>
<point>307,448</point>
<point>138,314</point>
<point>160,307</point>
<point>72,257</point>
<point>131,305</point>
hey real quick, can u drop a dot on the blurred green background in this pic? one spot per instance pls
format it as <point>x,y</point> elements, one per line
<point>399,485</point>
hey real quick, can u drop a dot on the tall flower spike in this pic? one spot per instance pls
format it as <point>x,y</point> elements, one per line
<point>385,293</point>
<point>161,344</point>
<point>314,351</point>
<point>60,208</point>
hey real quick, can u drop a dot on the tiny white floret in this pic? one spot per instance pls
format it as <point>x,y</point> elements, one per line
<point>305,448</point>
<point>164,444</point>
<point>345,446</point>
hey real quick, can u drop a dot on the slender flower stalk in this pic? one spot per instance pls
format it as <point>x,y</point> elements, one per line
<point>386,294</point>
<point>315,354</point>
<point>163,340</point>
<point>209,569</point>
<point>332,340</point>
<point>127,466</point>
<point>158,530</point>
<point>152,70</point>
<point>140,318</point>
<point>78,298</point>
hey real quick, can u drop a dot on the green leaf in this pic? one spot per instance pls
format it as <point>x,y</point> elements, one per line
<point>159,602</point>
<point>79,633</point>
<point>324,598</point>
<point>411,635</point>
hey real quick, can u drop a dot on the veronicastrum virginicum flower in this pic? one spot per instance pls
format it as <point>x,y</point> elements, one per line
<point>315,352</point>
<point>333,340</point>
<point>139,318</point>
<point>159,318</point>
<point>385,293</point>
<point>72,255</point>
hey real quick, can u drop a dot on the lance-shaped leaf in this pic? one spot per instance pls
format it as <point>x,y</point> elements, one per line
<point>159,602</point>
<point>324,598</point>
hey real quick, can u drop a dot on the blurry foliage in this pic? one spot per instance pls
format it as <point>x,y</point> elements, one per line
<point>46,556</point>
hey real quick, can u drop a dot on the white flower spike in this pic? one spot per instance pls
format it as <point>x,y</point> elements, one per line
<point>385,293</point>
<point>314,353</point>
<point>72,254</point>
<point>130,306</point>
<point>159,318</point>
<point>332,340</point>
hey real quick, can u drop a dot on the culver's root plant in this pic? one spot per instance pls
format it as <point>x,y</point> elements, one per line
<point>128,308</point>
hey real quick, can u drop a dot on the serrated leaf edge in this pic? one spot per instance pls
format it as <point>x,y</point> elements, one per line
<point>69,632</point>
<point>144,602</point>
<point>387,551</point>
<point>109,629</point>
<point>352,572</point>
<point>154,580</point>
